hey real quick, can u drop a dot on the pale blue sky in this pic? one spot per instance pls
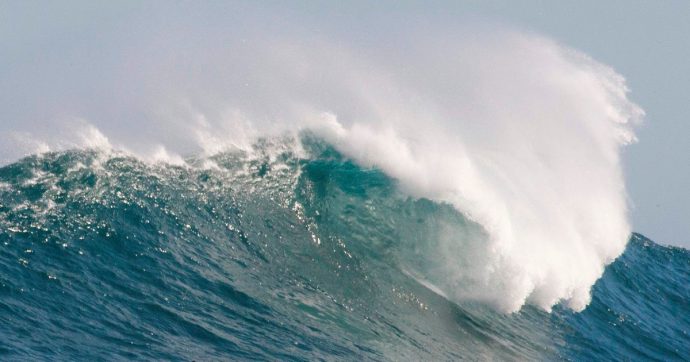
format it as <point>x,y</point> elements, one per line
<point>648,42</point>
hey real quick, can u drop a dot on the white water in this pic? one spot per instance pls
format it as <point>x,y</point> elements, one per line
<point>517,132</point>
<point>523,136</point>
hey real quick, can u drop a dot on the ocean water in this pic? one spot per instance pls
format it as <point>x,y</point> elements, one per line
<point>191,182</point>
<point>294,251</point>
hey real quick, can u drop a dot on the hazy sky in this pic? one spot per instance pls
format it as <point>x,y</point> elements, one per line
<point>648,42</point>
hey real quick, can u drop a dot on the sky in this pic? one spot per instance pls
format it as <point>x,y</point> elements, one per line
<point>648,42</point>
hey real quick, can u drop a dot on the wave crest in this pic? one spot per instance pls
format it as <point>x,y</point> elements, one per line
<point>529,150</point>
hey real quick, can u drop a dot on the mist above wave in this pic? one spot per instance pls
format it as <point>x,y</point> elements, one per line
<point>519,133</point>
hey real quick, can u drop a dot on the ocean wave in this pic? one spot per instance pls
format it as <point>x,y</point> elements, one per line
<point>518,133</point>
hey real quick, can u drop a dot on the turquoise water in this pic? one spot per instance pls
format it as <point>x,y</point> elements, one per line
<point>279,256</point>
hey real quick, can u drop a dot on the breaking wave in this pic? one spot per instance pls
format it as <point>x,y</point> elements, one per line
<point>518,133</point>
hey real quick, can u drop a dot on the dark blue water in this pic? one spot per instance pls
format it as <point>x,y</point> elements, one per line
<point>271,256</point>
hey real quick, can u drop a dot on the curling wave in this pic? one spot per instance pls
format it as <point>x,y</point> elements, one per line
<point>518,133</point>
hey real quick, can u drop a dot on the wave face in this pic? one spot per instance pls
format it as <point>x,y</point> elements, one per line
<point>288,251</point>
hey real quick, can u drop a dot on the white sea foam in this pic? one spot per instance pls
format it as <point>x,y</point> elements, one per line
<point>529,149</point>
<point>515,131</point>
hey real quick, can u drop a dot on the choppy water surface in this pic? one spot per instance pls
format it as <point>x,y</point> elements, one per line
<point>274,255</point>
